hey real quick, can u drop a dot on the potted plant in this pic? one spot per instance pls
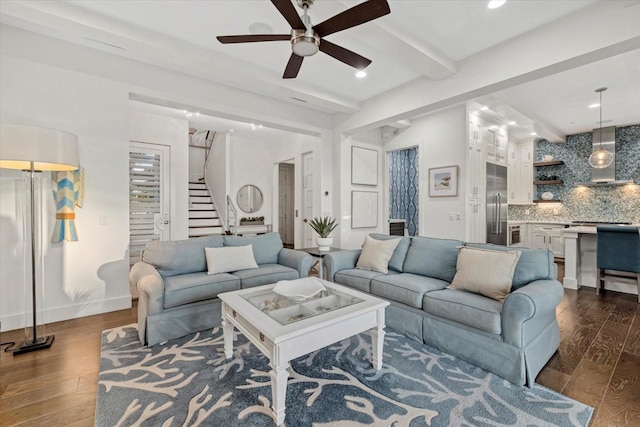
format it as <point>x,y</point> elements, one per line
<point>323,226</point>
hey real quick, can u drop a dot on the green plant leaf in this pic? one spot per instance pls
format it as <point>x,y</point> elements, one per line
<point>323,225</point>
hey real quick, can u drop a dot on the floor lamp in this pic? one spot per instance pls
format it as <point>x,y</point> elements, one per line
<point>33,150</point>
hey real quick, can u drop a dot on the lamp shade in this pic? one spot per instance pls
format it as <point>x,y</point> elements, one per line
<point>48,149</point>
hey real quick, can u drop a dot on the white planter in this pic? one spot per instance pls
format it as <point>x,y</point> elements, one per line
<point>324,244</point>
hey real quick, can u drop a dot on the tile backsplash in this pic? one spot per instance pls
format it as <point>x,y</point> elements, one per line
<point>602,203</point>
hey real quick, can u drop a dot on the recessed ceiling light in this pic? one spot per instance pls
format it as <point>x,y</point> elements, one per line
<point>494,4</point>
<point>596,105</point>
<point>533,134</point>
<point>484,108</point>
<point>360,74</point>
<point>512,123</point>
<point>260,28</point>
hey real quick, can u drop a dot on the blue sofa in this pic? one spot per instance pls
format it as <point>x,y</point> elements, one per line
<point>178,296</point>
<point>513,339</point>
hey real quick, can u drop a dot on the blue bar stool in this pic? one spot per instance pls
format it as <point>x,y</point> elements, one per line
<point>618,252</point>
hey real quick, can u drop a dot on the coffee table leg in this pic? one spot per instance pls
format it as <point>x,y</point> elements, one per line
<point>227,332</point>
<point>377,341</point>
<point>279,376</point>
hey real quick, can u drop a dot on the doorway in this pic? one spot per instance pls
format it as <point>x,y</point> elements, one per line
<point>286,203</point>
<point>149,196</point>
<point>404,181</point>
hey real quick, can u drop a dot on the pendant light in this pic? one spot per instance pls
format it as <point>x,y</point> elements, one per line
<point>600,158</point>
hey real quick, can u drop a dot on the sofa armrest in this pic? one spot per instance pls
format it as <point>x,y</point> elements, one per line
<point>297,260</point>
<point>149,283</point>
<point>530,309</point>
<point>341,260</point>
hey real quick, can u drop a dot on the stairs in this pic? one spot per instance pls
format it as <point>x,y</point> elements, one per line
<point>203,216</point>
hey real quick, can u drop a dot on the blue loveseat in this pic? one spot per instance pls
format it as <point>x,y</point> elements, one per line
<point>513,339</point>
<point>178,296</point>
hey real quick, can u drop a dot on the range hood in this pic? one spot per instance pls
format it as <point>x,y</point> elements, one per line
<point>605,138</point>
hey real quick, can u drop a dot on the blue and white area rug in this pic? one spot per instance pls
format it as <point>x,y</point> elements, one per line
<point>188,382</point>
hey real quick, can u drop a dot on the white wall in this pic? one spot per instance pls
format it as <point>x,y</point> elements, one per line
<point>351,238</point>
<point>174,133</point>
<point>441,140</point>
<point>91,275</point>
<point>250,163</point>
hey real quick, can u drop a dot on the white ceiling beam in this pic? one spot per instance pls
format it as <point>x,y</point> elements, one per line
<point>600,31</point>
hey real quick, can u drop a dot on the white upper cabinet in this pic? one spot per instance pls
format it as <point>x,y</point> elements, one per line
<point>520,169</point>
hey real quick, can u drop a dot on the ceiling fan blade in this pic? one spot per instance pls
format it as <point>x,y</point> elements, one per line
<point>252,38</point>
<point>289,12</point>
<point>364,12</point>
<point>344,55</point>
<point>293,66</point>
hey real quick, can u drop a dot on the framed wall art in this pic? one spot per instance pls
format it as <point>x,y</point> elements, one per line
<point>443,181</point>
<point>364,166</point>
<point>364,209</point>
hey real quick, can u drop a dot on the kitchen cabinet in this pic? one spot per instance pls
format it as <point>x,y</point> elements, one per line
<point>520,169</point>
<point>495,142</point>
<point>548,236</point>
<point>476,177</point>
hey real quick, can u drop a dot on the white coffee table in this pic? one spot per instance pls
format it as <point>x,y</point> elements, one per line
<point>284,329</point>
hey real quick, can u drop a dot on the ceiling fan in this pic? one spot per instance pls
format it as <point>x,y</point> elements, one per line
<point>306,39</point>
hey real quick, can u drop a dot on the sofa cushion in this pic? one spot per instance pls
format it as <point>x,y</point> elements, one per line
<point>173,257</point>
<point>396,262</point>
<point>229,259</point>
<point>265,274</point>
<point>358,279</point>
<point>432,257</point>
<point>266,247</point>
<point>470,309</point>
<point>485,272</point>
<point>194,287</point>
<point>376,254</point>
<point>534,264</point>
<point>406,288</point>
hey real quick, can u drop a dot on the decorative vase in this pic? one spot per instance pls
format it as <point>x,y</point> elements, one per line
<point>324,243</point>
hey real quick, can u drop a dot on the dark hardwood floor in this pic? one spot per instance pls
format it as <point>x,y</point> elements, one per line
<point>598,363</point>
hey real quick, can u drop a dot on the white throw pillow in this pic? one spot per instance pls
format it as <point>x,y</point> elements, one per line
<point>376,254</point>
<point>485,272</point>
<point>230,258</point>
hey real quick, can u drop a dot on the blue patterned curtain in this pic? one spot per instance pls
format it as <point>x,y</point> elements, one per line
<point>403,187</point>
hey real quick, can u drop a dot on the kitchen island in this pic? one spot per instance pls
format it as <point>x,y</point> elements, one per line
<point>580,261</point>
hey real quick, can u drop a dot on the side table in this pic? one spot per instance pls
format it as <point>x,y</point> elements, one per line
<point>316,253</point>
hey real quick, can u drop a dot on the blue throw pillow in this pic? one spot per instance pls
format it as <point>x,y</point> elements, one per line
<point>173,257</point>
<point>432,257</point>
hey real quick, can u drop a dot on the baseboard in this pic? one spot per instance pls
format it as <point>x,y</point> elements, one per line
<point>73,311</point>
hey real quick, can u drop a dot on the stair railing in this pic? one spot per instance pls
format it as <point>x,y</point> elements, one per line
<point>232,214</point>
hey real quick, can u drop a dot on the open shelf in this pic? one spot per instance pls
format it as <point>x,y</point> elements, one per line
<point>549,182</point>
<point>553,163</point>
<point>547,201</point>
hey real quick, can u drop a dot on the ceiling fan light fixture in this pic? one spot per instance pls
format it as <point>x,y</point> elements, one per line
<point>304,44</point>
<point>361,74</point>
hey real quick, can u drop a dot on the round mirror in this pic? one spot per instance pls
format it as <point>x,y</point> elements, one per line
<point>249,198</point>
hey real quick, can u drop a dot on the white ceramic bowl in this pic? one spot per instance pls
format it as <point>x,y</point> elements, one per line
<point>547,158</point>
<point>299,289</point>
<point>547,195</point>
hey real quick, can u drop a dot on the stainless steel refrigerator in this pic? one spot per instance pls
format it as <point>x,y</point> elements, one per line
<point>496,204</point>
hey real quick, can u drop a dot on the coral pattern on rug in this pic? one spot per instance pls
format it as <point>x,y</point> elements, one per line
<point>189,382</point>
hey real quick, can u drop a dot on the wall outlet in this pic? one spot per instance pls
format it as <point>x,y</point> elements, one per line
<point>451,216</point>
<point>103,219</point>
<point>556,211</point>
<point>527,211</point>
<point>458,216</point>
